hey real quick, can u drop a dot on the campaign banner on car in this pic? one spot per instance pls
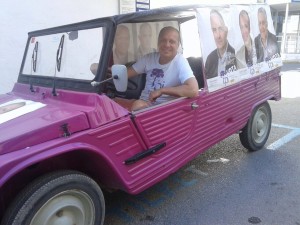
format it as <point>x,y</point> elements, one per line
<point>238,42</point>
<point>135,40</point>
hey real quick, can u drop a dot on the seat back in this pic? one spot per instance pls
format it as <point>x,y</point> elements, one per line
<point>196,66</point>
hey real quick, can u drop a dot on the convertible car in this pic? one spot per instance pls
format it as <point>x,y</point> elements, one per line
<point>65,137</point>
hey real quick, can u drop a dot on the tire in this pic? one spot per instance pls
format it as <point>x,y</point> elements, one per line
<point>64,197</point>
<point>255,134</point>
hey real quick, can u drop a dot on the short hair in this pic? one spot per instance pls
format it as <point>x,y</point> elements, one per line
<point>262,11</point>
<point>166,29</point>
<point>244,13</point>
<point>216,12</point>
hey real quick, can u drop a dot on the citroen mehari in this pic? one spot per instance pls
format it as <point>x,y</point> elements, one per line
<point>64,138</point>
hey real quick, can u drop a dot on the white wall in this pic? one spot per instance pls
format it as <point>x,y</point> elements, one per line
<point>18,17</point>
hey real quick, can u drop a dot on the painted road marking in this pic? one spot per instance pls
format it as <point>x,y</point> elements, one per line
<point>193,169</point>
<point>285,139</point>
<point>154,197</point>
<point>222,160</point>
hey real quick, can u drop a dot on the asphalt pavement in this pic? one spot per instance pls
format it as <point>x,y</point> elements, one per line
<point>227,185</point>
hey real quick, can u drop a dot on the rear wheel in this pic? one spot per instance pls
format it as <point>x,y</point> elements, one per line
<point>255,134</point>
<point>65,197</point>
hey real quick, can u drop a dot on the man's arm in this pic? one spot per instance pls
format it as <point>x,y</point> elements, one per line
<point>188,89</point>
<point>131,72</point>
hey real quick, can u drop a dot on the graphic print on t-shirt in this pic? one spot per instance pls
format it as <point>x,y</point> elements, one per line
<point>157,79</point>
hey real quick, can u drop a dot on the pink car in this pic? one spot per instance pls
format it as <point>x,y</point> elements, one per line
<point>64,138</point>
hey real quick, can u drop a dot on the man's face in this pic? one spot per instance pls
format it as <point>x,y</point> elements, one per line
<point>263,25</point>
<point>245,28</point>
<point>145,37</point>
<point>122,40</point>
<point>168,44</point>
<point>219,31</point>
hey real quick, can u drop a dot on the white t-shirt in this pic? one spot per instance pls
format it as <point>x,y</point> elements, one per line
<point>172,74</point>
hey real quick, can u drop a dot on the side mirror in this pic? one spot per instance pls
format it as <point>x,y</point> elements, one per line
<point>120,77</point>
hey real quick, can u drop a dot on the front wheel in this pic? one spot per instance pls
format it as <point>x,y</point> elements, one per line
<point>255,134</point>
<point>64,197</point>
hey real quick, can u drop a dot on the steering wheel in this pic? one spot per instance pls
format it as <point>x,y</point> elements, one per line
<point>111,90</point>
<point>132,84</point>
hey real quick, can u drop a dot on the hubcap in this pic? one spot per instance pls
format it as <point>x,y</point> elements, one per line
<point>260,126</point>
<point>72,207</point>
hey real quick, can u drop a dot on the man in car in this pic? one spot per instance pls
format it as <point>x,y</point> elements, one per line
<point>169,75</point>
<point>222,60</point>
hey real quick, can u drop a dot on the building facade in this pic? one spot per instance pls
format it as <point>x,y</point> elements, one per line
<point>286,18</point>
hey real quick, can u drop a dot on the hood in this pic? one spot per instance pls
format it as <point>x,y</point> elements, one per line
<point>24,123</point>
<point>28,119</point>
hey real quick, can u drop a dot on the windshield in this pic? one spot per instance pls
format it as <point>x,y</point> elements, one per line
<point>64,55</point>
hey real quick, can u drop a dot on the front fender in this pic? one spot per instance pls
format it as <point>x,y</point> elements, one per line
<point>15,162</point>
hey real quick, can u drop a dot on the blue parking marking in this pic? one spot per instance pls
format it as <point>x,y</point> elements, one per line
<point>285,139</point>
<point>151,198</point>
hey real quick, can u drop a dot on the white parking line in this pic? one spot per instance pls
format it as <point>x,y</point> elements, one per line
<point>285,139</point>
<point>193,169</point>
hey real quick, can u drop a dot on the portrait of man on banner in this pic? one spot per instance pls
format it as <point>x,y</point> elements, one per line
<point>122,51</point>
<point>221,60</point>
<point>265,42</point>
<point>246,55</point>
<point>147,39</point>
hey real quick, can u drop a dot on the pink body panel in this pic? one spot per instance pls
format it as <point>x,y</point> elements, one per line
<point>101,127</point>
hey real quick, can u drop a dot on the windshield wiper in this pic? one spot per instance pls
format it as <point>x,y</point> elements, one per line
<point>59,53</point>
<point>34,56</point>
<point>33,62</point>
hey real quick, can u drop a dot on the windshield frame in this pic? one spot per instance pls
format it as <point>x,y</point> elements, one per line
<point>67,83</point>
